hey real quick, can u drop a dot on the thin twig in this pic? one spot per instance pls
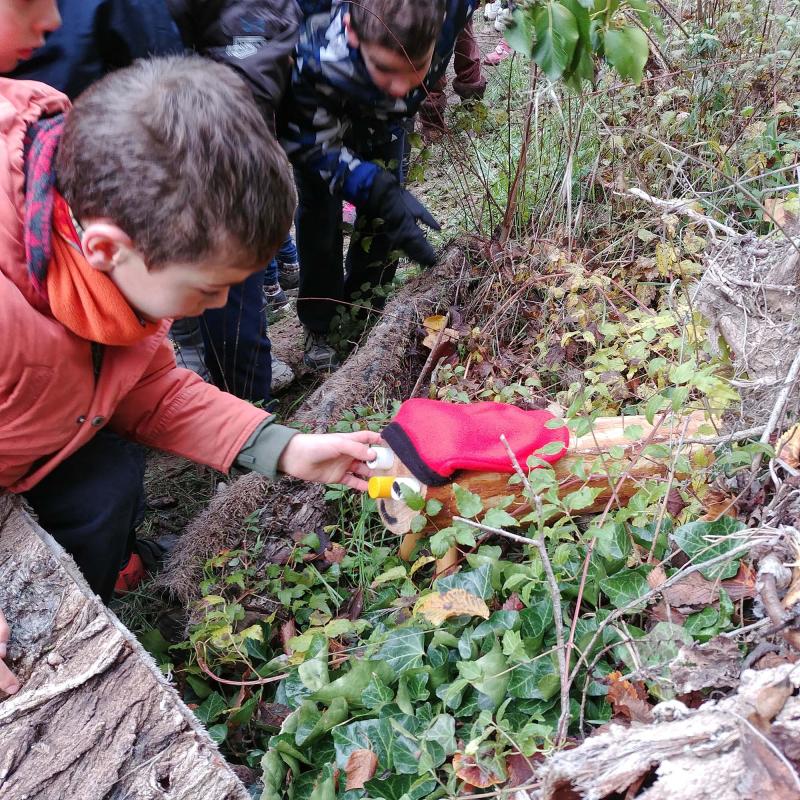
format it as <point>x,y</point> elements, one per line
<point>555,594</point>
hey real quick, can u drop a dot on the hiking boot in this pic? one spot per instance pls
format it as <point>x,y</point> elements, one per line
<point>282,376</point>
<point>277,301</point>
<point>144,561</point>
<point>319,354</point>
<point>289,275</point>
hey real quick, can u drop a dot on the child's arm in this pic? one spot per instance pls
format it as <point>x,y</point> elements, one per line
<point>8,681</point>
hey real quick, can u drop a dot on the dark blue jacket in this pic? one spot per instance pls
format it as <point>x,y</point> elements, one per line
<point>97,36</point>
<point>333,104</point>
<point>255,37</point>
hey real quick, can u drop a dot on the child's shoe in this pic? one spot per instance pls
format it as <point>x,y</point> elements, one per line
<point>348,213</point>
<point>490,10</point>
<point>502,20</point>
<point>289,275</point>
<point>277,301</point>
<point>282,376</point>
<point>319,354</point>
<point>499,54</point>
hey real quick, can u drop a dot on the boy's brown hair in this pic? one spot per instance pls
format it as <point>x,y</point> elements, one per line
<point>175,152</point>
<point>404,26</point>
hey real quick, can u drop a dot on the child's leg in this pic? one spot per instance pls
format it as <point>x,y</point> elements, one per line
<point>469,83</point>
<point>91,504</point>
<point>318,228</point>
<point>237,347</point>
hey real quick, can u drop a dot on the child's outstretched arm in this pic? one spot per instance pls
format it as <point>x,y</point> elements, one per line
<point>330,457</point>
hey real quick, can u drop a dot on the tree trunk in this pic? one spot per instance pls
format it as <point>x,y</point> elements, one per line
<point>94,719</point>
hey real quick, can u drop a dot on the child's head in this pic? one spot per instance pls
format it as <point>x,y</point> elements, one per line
<point>179,186</point>
<point>396,39</point>
<point>23,25</point>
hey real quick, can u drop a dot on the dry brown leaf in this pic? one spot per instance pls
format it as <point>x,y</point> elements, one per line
<point>480,774</point>
<point>628,700</point>
<point>360,767</point>
<point>439,606</point>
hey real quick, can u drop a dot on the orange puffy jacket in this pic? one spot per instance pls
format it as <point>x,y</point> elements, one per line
<point>50,403</point>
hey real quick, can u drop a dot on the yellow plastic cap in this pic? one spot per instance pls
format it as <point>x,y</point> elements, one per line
<point>380,487</point>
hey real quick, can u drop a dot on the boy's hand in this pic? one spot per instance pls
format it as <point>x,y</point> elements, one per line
<point>330,457</point>
<point>401,213</point>
<point>8,681</point>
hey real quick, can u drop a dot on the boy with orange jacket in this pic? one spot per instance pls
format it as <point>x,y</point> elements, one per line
<point>147,201</point>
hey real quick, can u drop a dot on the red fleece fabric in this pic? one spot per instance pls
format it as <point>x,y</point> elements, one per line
<point>435,439</point>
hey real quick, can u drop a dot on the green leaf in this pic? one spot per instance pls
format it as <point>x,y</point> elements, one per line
<point>476,581</point>
<point>497,518</point>
<point>218,733</point>
<point>556,37</point>
<point>211,708</point>
<point>701,542</point>
<point>376,694</point>
<point>494,677</point>
<point>626,586</point>
<point>469,504</point>
<point>627,50</point>
<point>352,684</point>
<point>520,35</point>
<point>535,680</point>
<point>400,787</point>
<point>535,621</point>
<point>403,649</point>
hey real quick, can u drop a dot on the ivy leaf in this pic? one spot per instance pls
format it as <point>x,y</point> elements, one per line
<point>403,649</point>
<point>702,541</point>
<point>400,787</point>
<point>626,586</point>
<point>556,37</point>
<point>520,35</point>
<point>469,504</point>
<point>211,708</point>
<point>534,680</point>
<point>476,581</point>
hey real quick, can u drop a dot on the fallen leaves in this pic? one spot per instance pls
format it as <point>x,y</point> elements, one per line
<point>439,606</point>
<point>360,767</point>
<point>628,700</point>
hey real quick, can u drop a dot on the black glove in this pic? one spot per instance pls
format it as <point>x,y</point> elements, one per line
<point>401,212</point>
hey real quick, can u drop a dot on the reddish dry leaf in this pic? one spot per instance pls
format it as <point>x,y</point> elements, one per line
<point>335,553</point>
<point>513,603</point>
<point>288,631</point>
<point>628,700</point>
<point>481,774</point>
<point>360,768</point>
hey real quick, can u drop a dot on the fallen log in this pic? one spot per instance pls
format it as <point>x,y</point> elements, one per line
<point>593,451</point>
<point>95,719</point>
<point>744,747</point>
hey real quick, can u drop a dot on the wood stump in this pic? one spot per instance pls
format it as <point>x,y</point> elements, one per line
<point>95,719</point>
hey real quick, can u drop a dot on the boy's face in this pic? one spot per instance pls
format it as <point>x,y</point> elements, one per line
<point>392,72</point>
<point>171,292</point>
<point>23,25</point>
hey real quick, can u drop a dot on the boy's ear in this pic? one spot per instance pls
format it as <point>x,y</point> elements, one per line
<point>103,243</point>
<point>352,36</point>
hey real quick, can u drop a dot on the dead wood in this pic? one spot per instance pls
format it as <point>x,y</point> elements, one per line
<point>288,506</point>
<point>725,750</point>
<point>94,719</point>
<point>750,293</point>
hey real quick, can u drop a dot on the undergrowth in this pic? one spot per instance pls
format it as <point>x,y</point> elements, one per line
<point>327,674</point>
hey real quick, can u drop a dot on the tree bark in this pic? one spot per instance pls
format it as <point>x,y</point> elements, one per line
<point>94,719</point>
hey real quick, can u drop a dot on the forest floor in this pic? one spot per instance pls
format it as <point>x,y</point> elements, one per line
<point>640,262</point>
